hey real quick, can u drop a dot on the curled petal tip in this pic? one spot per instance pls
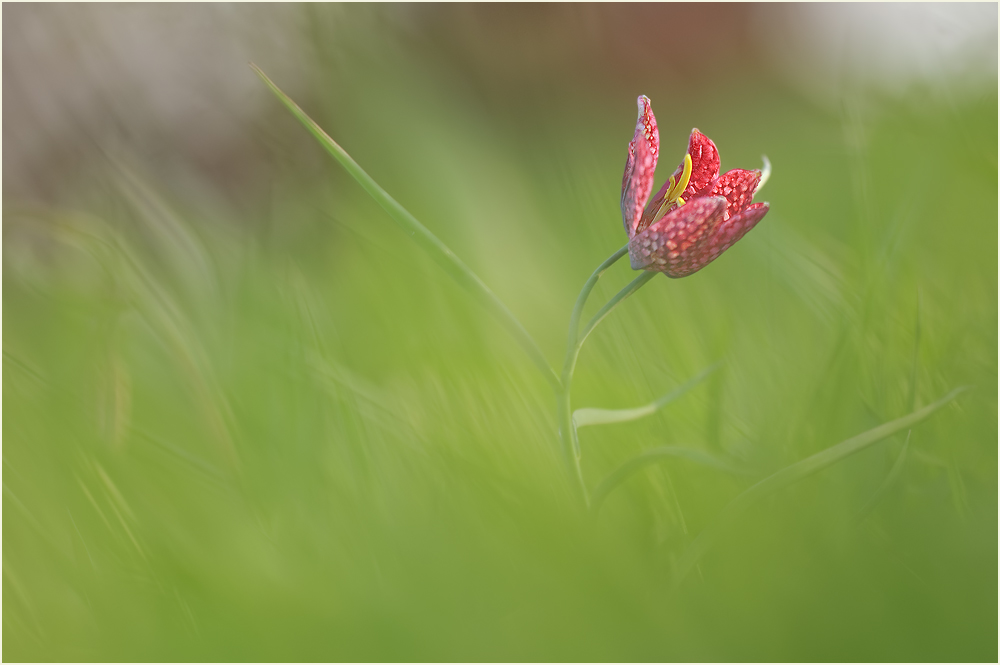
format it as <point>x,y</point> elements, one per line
<point>646,124</point>
<point>765,171</point>
<point>645,108</point>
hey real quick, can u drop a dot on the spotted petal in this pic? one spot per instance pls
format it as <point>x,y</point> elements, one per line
<point>704,165</point>
<point>654,206</point>
<point>672,245</point>
<point>738,187</point>
<point>725,234</point>
<point>637,181</point>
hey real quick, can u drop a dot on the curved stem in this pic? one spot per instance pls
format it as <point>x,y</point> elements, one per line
<point>581,300</point>
<point>567,429</point>
<point>430,243</point>
<point>574,350</point>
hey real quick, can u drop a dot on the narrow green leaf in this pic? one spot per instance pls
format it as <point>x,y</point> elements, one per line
<point>427,241</point>
<point>585,417</point>
<point>796,472</point>
<point>652,456</point>
<point>894,472</point>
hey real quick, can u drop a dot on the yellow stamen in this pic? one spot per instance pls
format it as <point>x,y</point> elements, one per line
<point>675,190</point>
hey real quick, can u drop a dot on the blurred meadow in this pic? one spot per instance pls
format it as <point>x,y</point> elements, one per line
<point>247,419</point>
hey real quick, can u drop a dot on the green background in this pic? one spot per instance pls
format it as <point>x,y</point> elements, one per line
<point>246,419</point>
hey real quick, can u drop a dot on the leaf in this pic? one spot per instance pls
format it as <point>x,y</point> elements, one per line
<point>894,472</point>
<point>796,472</point>
<point>427,241</point>
<point>652,456</point>
<point>585,417</point>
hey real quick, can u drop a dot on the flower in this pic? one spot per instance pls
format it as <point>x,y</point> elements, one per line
<point>697,214</point>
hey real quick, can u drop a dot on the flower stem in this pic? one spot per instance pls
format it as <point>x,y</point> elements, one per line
<point>429,242</point>
<point>574,350</point>
<point>581,300</point>
<point>574,341</point>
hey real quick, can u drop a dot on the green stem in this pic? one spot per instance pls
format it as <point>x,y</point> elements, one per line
<point>574,351</point>
<point>567,430</point>
<point>437,250</point>
<point>581,300</point>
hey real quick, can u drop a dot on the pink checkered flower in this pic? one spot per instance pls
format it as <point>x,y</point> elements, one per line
<point>697,214</point>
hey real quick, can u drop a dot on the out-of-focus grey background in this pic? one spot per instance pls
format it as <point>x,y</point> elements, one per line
<point>171,82</point>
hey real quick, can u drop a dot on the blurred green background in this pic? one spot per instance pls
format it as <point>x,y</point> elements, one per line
<point>245,419</point>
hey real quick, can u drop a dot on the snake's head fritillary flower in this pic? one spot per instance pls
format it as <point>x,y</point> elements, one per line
<point>697,214</point>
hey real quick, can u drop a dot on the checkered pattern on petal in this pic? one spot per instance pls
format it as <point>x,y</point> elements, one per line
<point>727,232</point>
<point>738,187</point>
<point>704,165</point>
<point>637,181</point>
<point>672,245</point>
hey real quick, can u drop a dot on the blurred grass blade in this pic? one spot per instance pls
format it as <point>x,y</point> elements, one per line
<point>652,456</point>
<point>176,240</point>
<point>427,241</point>
<point>585,417</point>
<point>154,302</point>
<point>894,472</point>
<point>799,471</point>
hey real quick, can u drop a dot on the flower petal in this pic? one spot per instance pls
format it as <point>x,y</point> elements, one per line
<point>654,207</point>
<point>725,235</point>
<point>738,187</point>
<point>637,182</point>
<point>704,165</point>
<point>672,245</point>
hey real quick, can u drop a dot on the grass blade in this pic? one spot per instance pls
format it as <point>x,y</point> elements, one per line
<point>894,472</point>
<point>427,241</point>
<point>798,471</point>
<point>652,456</point>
